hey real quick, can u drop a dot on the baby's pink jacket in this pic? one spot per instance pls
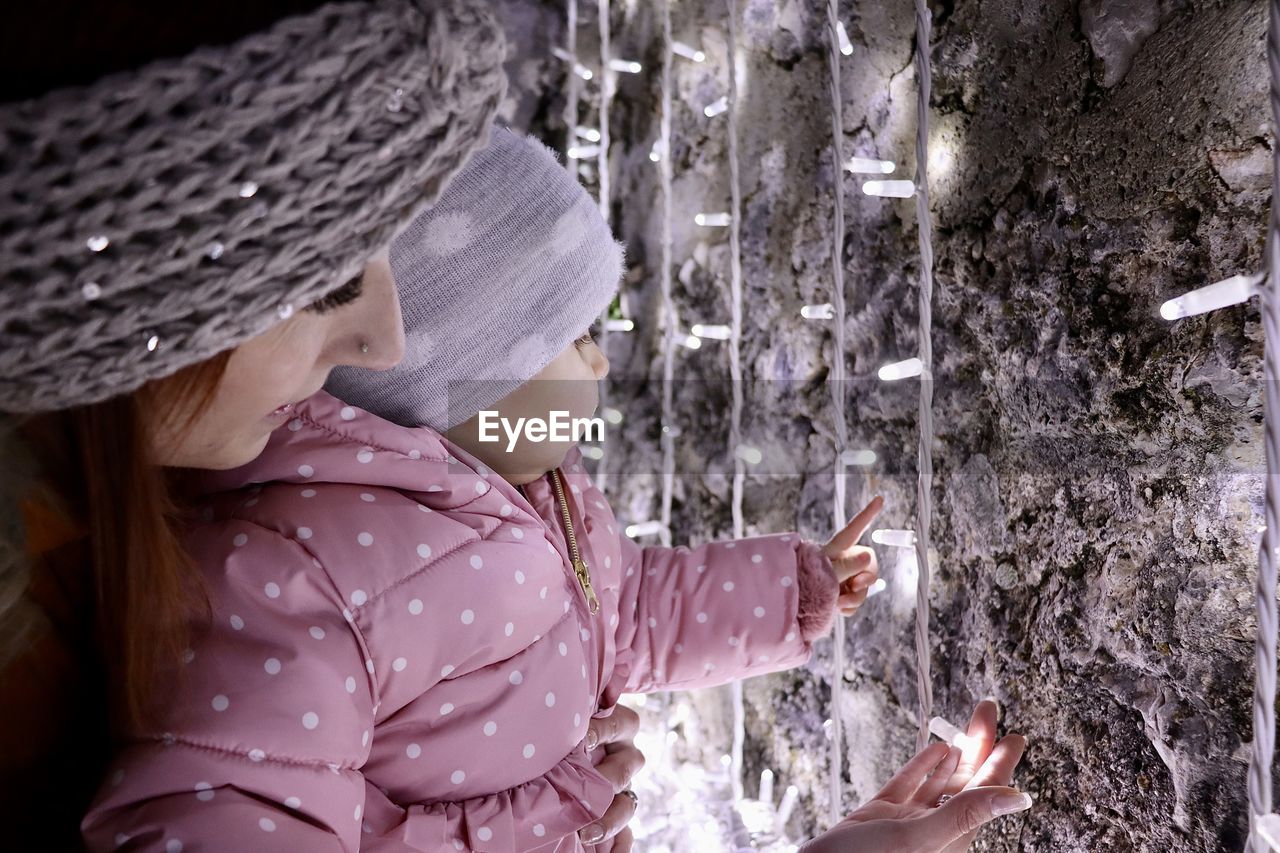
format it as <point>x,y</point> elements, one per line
<point>401,658</point>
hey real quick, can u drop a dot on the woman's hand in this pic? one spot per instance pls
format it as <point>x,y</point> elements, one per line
<point>904,817</point>
<point>622,761</point>
<point>855,565</point>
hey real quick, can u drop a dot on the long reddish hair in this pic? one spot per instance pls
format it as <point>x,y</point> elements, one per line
<point>100,478</point>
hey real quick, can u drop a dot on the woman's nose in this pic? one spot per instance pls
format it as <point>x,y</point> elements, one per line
<point>373,333</point>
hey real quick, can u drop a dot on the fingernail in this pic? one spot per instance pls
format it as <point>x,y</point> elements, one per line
<point>592,834</point>
<point>591,738</point>
<point>1010,803</point>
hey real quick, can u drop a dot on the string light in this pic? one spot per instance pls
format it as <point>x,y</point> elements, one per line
<point>626,66</point>
<point>1267,827</point>
<point>713,220</point>
<point>578,68</point>
<point>616,325</point>
<point>1211,297</point>
<point>846,48</point>
<point>644,528</point>
<point>689,341</point>
<point>682,49</point>
<point>749,455</point>
<point>825,311</point>
<point>868,166</point>
<point>901,370</point>
<point>718,333</point>
<point>716,107</point>
<point>588,133</point>
<point>947,732</point>
<point>655,152</point>
<point>877,587</point>
<point>860,458</point>
<point>583,152</point>
<point>788,804</point>
<point>890,189</point>
<point>590,451</point>
<point>612,415</point>
<point>894,538</point>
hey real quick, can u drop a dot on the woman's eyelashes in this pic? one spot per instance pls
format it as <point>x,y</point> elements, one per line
<point>348,293</point>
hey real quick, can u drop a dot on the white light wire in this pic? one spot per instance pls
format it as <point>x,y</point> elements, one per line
<point>835,800</point>
<point>1262,752</point>
<point>924,482</point>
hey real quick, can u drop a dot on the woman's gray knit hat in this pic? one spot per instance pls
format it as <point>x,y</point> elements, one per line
<point>495,279</point>
<point>163,215</point>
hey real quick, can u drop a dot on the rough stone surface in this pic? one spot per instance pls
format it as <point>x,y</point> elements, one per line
<point>1098,471</point>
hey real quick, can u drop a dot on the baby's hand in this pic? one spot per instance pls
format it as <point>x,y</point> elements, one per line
<point>855,565</point>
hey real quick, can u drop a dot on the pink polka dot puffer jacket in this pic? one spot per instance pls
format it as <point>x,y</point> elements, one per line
<point>401,658</point>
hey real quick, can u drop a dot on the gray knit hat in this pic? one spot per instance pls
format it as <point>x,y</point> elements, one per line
<point>495,280</point>
<point>160,216</point>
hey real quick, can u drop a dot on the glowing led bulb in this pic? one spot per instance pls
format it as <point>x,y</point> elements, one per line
<point>655,153</point>
<point>710,220</point>
<point>679,48</point>
<point>582,152</point>
<point>750,455</point>
<point>591,452</point>
<point>766,786</point>
<point>825,311</point>
<point>626,66</point>
<point>895,538</point>
<point>690,341</point>
<point>901,370</point>
<point>1268,829</point>
<point>946,731</point>
<point>858,457</point>
<point>877,587</point>
<point>644,528</point>
<point>612,415</point>
<point>868,166</point>
<point>1231,291</point>
<point>889,189</point>
<point>588,133</point>
<point>716,107</point>
<point>578,68</point>
<point>845,46</point>
<point>623,325</point>
<point>719,333</point>
<point>788,804</point>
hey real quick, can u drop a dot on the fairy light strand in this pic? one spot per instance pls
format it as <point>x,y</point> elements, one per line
<point>668,305</point>
<point>602,160</point>
<point>571,83</point>
<point>924,483</point>
<point>1264,686</point>
<point>835,50</point>
<point>735,356</point>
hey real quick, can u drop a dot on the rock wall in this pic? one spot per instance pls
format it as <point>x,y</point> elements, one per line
<point>1097,470</point>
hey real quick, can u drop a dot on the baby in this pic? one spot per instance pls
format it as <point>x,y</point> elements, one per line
<point>413,626</point>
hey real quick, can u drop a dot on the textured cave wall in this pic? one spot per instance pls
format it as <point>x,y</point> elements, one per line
<point>1098,471</point>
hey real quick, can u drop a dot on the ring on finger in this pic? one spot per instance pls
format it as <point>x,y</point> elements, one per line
<point>635,799</point>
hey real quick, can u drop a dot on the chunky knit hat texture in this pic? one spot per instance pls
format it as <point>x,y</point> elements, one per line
<point>495,280</point>
<point>162,215</point>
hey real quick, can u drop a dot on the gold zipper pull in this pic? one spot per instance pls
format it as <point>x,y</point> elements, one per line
<point>584,578</point>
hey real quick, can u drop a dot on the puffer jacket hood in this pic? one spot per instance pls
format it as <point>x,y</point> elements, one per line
<point>401,658</point>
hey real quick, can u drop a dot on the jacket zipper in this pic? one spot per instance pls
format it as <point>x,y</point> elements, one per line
<point>580,567</point>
